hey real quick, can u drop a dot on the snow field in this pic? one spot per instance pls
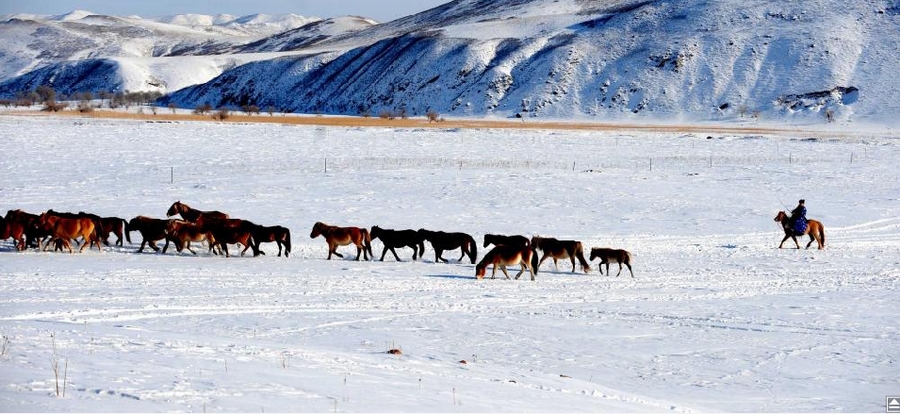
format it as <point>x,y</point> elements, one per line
<point>716,318</point>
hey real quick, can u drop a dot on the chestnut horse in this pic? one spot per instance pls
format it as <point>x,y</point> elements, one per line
<point>441,241</point>
<point>108,225</point>
<point>267,234</point>
<point>815,230</point>
<point>182,233</point>
<point>63,229</point>
<point>392,239</point>
<point>505,255</point>
<point>608,256</point>
<point>341,236</point>
<point>560,249</point>
<point>192,214</point>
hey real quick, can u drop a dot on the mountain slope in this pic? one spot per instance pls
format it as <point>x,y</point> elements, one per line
<point>672,59</point>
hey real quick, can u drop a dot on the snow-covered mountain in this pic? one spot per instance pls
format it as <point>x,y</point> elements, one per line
<point>33,41</point>
<point>576,59</point>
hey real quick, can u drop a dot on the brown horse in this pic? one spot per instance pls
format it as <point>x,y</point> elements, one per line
<point>341,236</point>
<point>392,239</point>
<point>15,226</point>
<point>815,230</point>
<point>63,229</point>
<point>151,229</point>
<point>267,234</point>
<point>441,241</point>
<point>608,256</point>
<point>182,233</point>
<point>505,255</point>
<point>108,225</point>
<point>498,239</point>
<point>560,249</point>
<point>223,232</point>
<point>22,223</point>
<point>192,214</point>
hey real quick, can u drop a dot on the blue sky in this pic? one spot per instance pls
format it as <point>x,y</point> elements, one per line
<point>380,10</point>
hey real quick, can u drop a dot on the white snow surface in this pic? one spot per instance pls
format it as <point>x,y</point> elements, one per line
<point>717,318</point>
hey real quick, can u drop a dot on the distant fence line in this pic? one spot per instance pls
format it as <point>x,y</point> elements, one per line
<point>632,163</point>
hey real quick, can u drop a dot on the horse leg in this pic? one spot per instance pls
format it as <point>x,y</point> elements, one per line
<point>786,236</point>
<point>462,250</point>
<point>572,258</point>
<point>437,256</point>
<point>629,269</point>
<point>503,268</point>
<point>395,254</point>
<point>620,270</point>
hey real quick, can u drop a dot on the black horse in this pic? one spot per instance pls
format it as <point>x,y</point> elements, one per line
<point>441,241</point>
<point>392,239</point>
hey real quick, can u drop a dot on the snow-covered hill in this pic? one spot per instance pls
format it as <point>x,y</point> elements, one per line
<point>676,59</point>
<point>35,42</point>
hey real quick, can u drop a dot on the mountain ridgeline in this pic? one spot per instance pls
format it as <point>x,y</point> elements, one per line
<point>570,59</point>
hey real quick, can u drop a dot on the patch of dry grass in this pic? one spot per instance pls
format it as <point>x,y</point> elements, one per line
<point>358,121</point>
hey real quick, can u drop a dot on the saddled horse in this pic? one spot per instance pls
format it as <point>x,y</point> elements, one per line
<point>815,230</point>
<point>64,229</point>
<point>608,256</point>
<point>151,229</point>
<point>498,239</point>
<point>341,236</point>
<point>507,255</point>
<point>191,214</point>
<point>441,241</point>
<point>268,234</point>
<point>392,239</point>
<point>560,249</point>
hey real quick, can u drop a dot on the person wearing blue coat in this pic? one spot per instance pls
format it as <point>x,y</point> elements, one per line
<point>798,217</point>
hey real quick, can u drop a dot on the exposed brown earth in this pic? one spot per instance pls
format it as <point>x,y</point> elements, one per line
<point>357,121</point>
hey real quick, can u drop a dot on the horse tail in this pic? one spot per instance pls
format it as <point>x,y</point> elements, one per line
<point>822,234</point>
<point>473,252</point>
<point>367,242</point>
<point>127,230</point>
<point>287,242</point>
<point>579,253</point>
<point>534,260</point>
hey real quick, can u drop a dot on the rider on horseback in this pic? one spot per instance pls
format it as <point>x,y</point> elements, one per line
<point>798,217</point>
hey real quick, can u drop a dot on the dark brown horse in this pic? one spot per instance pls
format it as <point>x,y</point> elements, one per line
<point>114,225</point>
<point>507,255</point>
<point>498,239</point>
<point>223,232</point>
<point>441,241</point>
<point>560,249</point>
<point>15,225</point>
<point>608,256</point>
<point>151,229</point>
<point>20,223</point>
<point>392,239</point>
<point>268,234</point>
<point>341,236</point>
<point>192,214</point>
<point>815,230</point>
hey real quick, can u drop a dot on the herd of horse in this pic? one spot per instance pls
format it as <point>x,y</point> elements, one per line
<point>218,230</point>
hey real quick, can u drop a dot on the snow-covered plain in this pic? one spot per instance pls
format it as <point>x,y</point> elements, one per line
<point>716,319</point>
